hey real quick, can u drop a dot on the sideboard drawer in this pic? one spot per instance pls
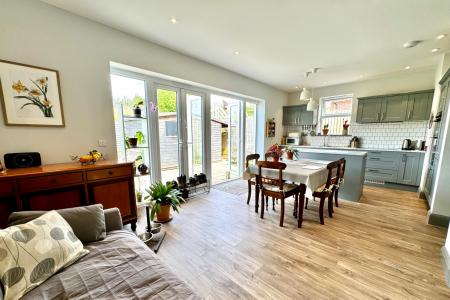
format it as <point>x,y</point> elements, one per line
<point>109,173</point>
<point>6,187</point>
<point>44,182</point>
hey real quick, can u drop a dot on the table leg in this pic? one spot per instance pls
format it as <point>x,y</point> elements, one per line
<point>256,197</point>
<point>301,203</point>
<point>262,204</point>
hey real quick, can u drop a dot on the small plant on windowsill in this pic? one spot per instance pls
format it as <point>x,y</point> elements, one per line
<point>345,127</point>
<point>325,129</point>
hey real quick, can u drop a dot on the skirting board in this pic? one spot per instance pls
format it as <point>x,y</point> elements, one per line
<point>446,264</point>
<point>438,220</point>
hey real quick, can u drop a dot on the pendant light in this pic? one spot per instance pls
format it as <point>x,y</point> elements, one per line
<point>305,95</point>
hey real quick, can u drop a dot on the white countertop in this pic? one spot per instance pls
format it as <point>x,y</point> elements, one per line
<point>329,150</point>
<point>354,149</point>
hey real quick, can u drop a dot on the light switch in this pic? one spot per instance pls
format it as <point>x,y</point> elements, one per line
<point>102,143</point>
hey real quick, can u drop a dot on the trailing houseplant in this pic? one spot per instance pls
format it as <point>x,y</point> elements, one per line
<point>162,197</point>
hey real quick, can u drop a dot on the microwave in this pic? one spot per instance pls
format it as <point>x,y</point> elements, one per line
<point>295,141</point>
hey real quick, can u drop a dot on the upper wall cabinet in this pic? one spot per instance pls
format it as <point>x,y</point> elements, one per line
<point>297,116</point>
<point>395,108</point>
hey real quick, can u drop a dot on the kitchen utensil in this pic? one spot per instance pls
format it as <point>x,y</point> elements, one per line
<point>406,144</point>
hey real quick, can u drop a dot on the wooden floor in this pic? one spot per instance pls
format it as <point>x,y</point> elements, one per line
<point>379,248</point>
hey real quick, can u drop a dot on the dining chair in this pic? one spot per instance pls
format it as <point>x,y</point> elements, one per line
<point>340,180</point>
<point>326,191</point>
<point>251,181</point>
<point>276,188</point>
<point>269,155</point>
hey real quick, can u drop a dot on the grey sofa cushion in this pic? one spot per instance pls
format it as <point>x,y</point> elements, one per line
<point>113,219</point>
<point>87,222</point>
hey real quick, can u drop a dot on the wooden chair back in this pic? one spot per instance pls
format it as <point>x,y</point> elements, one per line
<point>271,165</point>
<point>251,157</point>
<point>333,173</point>
<point>341,162</point>
<point>269,155</point>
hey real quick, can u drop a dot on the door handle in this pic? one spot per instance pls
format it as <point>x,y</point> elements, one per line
<point>378,116</point>
<point>409,115</point>
<point>382,116</point>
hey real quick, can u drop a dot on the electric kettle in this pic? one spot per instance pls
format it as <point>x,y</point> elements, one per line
<point>406,144</point>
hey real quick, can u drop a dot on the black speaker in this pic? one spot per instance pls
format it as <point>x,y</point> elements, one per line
<point>22,160</point>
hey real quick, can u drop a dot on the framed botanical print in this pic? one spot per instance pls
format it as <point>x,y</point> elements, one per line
<point>30,95</point>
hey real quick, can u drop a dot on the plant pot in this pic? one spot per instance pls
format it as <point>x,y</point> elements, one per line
<point>290,155</point>
<point>138,197</point>
<point>137,112</point>
<point>325,131</point>
<point>143,169</point>
<point>276,158</point>
<point>345,131</point>
<point>133,142</point>
<point>164,214</point>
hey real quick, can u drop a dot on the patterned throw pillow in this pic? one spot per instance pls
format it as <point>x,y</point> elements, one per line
<point>32,252</point>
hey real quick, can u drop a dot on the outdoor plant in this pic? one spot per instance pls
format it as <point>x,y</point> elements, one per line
<point>160,194</point>
<point>33,94</point>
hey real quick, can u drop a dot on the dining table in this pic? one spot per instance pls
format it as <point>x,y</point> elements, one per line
<point>309,174</point>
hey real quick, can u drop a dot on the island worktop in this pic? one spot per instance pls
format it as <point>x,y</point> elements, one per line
<point>354,170</point>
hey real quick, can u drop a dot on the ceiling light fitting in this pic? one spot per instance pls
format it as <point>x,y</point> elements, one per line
<point>173,20</point>
<point>236,52</point>
<point>407,67</point>
<point>441,36</point>
<point>411,44</point>
<point>434,50</point>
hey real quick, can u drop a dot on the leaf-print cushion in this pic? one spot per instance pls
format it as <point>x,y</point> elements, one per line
<point>32,252</point>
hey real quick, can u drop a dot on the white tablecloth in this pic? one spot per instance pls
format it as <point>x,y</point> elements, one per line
<point>311,172</point>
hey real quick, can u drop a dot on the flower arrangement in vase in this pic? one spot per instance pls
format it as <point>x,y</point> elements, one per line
<point>275,151</point>
<point>345,127</point>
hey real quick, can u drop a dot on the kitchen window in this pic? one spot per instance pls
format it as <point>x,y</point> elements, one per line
<point>334,111</point>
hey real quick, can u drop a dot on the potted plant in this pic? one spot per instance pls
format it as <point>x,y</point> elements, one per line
<point>325,129</point>
<point>290,151</point>
<point>275,151</point>
<point>132,142</point>
<point>162,197</point>
<point>345,127</point>
<point>140,137</point>
<point>137,107</point>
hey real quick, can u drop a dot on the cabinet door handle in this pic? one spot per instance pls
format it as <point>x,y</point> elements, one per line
<point>409,115</point>
<point>372,170</point>
<point>374,158</point>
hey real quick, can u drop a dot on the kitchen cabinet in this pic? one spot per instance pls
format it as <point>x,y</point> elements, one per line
<point>297,116</point>
<point>395,108</point>
<point>408,172</point>
<point>369,110</point>
<point>419,106</point>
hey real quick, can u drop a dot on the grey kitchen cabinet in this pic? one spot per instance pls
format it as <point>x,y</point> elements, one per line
<point>393,108</point>
<point>400,167</point>
<point>408,172</point>
<point>419,106</point>
<point>369,110</point>
<point>297,115</point>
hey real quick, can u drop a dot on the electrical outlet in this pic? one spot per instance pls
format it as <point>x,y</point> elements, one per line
<point>102,143</point>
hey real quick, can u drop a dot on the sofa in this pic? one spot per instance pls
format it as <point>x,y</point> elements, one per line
<point>119,266</point>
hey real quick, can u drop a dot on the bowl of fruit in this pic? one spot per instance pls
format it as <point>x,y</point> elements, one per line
<point>88,159</point>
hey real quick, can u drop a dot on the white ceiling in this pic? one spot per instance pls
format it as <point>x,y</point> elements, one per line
<point>279,40</point>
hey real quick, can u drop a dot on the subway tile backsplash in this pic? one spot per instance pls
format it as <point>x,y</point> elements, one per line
<point>377,135</point>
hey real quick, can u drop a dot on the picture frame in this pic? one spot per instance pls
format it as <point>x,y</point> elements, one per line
<point>30,95</point>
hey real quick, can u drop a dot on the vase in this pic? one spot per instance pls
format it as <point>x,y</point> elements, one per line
<point>344,131</point>
<point>290,155</point>
<point>164,214</point>
<point>276,157</point>
<point>325,131</point>
<point>137,112</point>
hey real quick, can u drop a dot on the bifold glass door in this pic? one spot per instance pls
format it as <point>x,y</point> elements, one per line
<point>181,131</point>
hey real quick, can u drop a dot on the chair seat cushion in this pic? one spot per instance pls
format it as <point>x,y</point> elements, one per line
<point>287,187</point>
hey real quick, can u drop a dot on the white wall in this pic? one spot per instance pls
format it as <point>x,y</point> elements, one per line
<point>38,34</point>
<point>441,201</point>
<point>404,81</point>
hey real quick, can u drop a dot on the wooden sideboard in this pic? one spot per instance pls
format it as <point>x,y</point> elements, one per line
<point>66,185</point>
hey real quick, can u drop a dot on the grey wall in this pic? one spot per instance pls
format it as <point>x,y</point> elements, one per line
<point>35,33</point>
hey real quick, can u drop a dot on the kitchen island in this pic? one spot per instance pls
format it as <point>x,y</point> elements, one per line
<point>354,169</point>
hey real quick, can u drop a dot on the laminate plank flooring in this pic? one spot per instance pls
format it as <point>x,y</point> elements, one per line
<point>379,248</point>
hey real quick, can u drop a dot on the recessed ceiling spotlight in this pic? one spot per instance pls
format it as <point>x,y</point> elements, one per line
<point>434,50</point>
<point>236,52</point>
<point>296,87</point>
<point>173,20</point>
<point>407,67</point>
<point>411,44</point>
<point>441,36</point>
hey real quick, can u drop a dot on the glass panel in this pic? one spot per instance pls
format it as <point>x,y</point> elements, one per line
<point>168,134</point>
<point>250,128</point>
<point>194,133</point>
<point>127,94</point>
<point>337,106</point>
<point>224,138</point>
